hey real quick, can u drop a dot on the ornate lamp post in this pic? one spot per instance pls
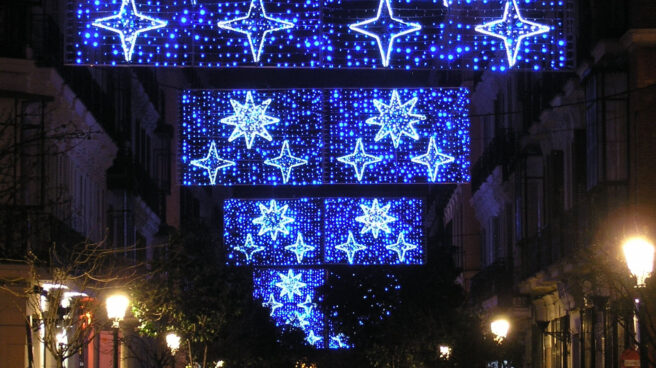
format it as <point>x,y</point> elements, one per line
<point>117,304</point>
<point>639,255</point>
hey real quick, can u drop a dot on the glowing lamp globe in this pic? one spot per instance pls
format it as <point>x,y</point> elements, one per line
<point>116,306</point>
<point>639,255</point>
<point>173,342</point>
<point>500,328</point>
<point>445,352</point>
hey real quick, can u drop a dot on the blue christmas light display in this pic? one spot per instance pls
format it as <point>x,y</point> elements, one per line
<point>448,34</point>
<point>374,136</point>
<point>324,231</point>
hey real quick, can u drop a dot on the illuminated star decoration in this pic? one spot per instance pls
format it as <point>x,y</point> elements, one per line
<point>446,3</point>
<point>359,159</point>
<point>312,338</point>
<point>375,218</point>
<point>338,340</point>
<point>212,163</point>
<point>285,162</point>
<point>290,284</point>
<point>249,248</point>
<point>300,320</point>
<point>385,29</point>
<point>433,159</point>
<point>272,303</point>
<point>249,120</point>
<point>256,25</point>
<point>512,29</point>
<point>350,247</point>
<point>299,248</point>
<point>396,119</point>
<point>273,219</point>
<point>307,305</point>
<point>401,247</point>
<point>129,23</point>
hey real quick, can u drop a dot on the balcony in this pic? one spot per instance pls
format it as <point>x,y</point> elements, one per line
<point>495,279</point>
<point>500,152</point>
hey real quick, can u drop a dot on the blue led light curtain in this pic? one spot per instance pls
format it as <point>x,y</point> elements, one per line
<point>437,34</point>
<point>324,231</point>
<point>333,136</point>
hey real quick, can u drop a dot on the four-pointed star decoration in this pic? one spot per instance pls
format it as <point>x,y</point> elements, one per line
<point>512,29</point>
<point>285,162</point>
<point>129,23</point>
<point>385,29</point>
<point>396,119</point>
<point>272,303</point>
<point>256,25</point>
<point>249,120</point>
<point>359,159</point>
<point>401,247</point>
<point>299,248</point>
<point>307,305</point>
<point>338,340</point>
<point>312,339</point>
<point>350,247</point>
<point>290,284</point>
<point>212,163</point>
<point>273,219</point>
<point>249,248</point>
<point>433,159</point>
<point>375,218</point>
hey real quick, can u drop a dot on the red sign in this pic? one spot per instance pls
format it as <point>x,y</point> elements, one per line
<point>629,358</point>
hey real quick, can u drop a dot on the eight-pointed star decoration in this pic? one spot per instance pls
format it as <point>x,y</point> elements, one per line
<point>272,303</point>
<point>512,29</point>
<point>290,284</point>
<point>249,120</point>
<point>401,247</point>
<point>432,159</point>
<point>285,162</point>
<point>256,25</point>
<point>129,23</point>
<point>212,163</point>
<point>273,219</point>
<point>299,248</point>
<point>359,159</point>
<point>350,247</point>
<point>385,29</point>
<point>249,248</point>
<point>396,119</point>
<point>375,218</point>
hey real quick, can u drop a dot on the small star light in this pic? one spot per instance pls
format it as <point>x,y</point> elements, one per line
<point>433,159</point>
<point>273,219</point>
<point>212,163</point>
<point>359,159</point>
<point>401,247</point>
<point>249,120</point>
<point>384,28</point>
<point>290,284</point>
<point>272,303</point>
<point>256,25</point>
<point>396,119</point>
<point>285,162</point>
<point>512,29</point>
<point>299,248</point>
<point>312,338</point>
<point>307,305</point>
<point>375,218</point>
<point>350,247</point>
<point>249,248</point>
<point>301,320</point>
<point>338,340</point>
<point>129,23</point>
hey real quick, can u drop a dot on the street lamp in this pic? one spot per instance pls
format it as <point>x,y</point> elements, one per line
<point>500,327</point>
<point>173,342</point>
<point>117,304</point>
<point>639,255</point>
<point>445,352</point>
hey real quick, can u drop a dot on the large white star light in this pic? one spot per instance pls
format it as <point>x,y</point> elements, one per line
<point>212,163</point>
<point>350,247</point>
<point>290,284</point>
<point>375,218</point>
<point>273,219</point>
<point>272,303</point>
<point>129,23</point>
<point>401,247</point>
<point>385,29</point>
<point>396,119</point>
<point>512,29</point>
<point>433,159</point>
<point>249,248</point>
<point>249,120</point>
<point>285,162</point>
<point>299,248</point>
<point>359,159</point>
<point>256,25</point>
